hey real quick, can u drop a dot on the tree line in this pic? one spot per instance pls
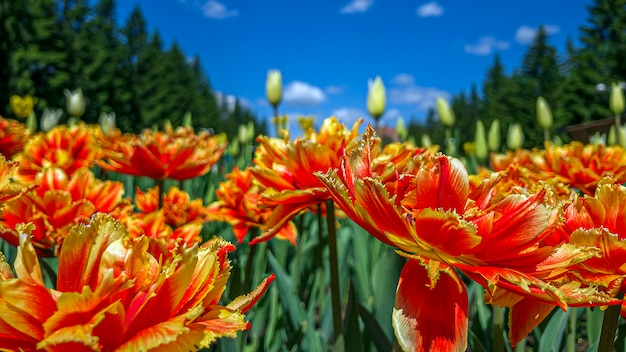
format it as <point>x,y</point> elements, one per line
<point>47,46</point>
<point>574,83</point>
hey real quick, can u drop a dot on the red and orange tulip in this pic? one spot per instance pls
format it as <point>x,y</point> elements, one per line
<point>111,295</point>
<point>162,237</point>
<point>429,213</point>
<point>178,207</point>
<point>239,200</point>
<point>286,168</point>
<point>12,137</point>
<point>171,154</point>
<point>66,148</point>
<point>58,203</point>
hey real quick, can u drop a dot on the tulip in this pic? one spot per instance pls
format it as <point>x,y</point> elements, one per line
<point>75,102</point>
<point>50,118</point>
<point>616,102</point>
<point>376,98</point>
<point>274,87</point>
<point>401,129</point>
<point>544,114</point>
<point>22,107</point>
<point>242,134</point>
<point>446,115</point>
<point>250,130</point>
<point>515,138</point>
<point>426,142</point>
<point>494,136</point>
<point>107,122</point>
<point>187,120</point>
<point>480,141</point>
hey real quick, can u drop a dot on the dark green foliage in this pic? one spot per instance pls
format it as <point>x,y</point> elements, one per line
<point>47,46</point>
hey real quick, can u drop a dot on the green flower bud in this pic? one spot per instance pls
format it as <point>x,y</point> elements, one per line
<point>376,98</point>
<point>481,141</point>
<point>494,136</point>
<point>274,87</point>
<point>401,129</point>
<point>446,115</point>
<point>426,142</point>
<point>616,102</point>
<point>612,138</point>
<point>187,120</point>
<point>243,134</point>
<point>515,138</point>
<point>544,114</point>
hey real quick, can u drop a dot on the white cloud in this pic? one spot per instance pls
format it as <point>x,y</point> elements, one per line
<point>228,100</point>
<point>302,93</point>
<point>357,6</point>
<point>403,79</point>
<point>334,89</point>
<point>422,97</point>
<point>215,9</point>
<point>430,9</point>
<point>485,46</point>
<point>525,35</point>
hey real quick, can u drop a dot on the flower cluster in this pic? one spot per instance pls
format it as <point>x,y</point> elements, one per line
<point>133,274</point>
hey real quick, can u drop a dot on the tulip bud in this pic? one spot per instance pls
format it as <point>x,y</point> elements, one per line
<point>446,115</point>
<point>250,130</point>
<point>376,98</point>
<point>612,138</point>
<point>515,138</point>
<point>50,118</point>
<point>426,142</point>
<point>401,129</point>
<point>107,122</point>
<point>188,120</point>
<point>274,87</point>
<point>242,133</point>
<point>22,107</point>
<point>75,102</point>
<point>494,136</point>
<point>616,102</point>
<point>544,114</point>
<point>480,141</point>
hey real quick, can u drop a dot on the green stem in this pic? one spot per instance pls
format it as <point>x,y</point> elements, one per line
<point>247,283</point>
<point>334,270</point>
<point>498,329</point>
<point>609,327</point>
<point>570,342</point>
<point>160,184</point>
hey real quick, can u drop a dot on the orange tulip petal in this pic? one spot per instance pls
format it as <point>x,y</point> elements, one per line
<point>430,318</point>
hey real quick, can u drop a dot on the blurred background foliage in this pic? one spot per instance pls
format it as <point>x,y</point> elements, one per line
<point>47,46</point>
<point>50,45</point>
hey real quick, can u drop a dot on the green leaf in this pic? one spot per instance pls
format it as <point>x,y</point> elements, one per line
<point>385,276</point>
<point>352,333</point>
<point>374,331</point>
<point>552,336</point>
<point>292,306</point>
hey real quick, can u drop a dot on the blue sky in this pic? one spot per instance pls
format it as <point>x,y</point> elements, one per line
<point>327,50</point>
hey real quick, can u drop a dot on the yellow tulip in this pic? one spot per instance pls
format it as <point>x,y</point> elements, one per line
<point>22,107</point>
